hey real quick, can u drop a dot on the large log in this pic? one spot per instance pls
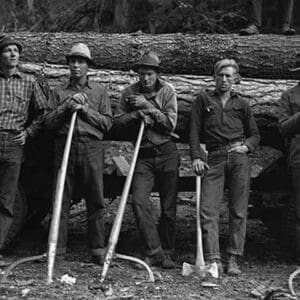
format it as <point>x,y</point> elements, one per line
<point>262,94</point>
<point>262,56</point>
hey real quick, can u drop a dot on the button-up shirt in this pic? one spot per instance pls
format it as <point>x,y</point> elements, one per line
<point>163,113</point>
<point>20,98</point>
<point>94,123</point>
<point>289,116</point>
<point>215,125</point>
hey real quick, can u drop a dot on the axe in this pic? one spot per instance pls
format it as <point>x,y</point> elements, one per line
<point>115,231</point>
<point>60,184</point>
<point>200,269</point>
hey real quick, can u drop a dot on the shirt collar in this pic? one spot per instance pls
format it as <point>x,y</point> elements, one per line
<point>16,74</point>
<point>69,84</point>
<point>158,85</point>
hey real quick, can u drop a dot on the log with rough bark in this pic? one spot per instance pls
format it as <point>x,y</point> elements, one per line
<point>262,94</point>
<point>262,56</point>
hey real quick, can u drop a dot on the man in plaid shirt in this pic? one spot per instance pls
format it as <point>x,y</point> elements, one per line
<point>20,95</point>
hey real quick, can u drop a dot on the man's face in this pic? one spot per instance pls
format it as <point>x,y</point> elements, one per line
<point>9,56</point>
<point>147,77</point>
<point>225,79</point>
<point>78,66</point>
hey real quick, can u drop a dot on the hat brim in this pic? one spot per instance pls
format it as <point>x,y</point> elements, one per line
<point>136,67</point>
<point>89,60</point>
<point>19,45</point>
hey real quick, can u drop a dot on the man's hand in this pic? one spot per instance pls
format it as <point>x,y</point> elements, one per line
<point>146,118</point>
<point>79,98</point>
<point>21,138</point>
<point>138,102</point>
<point>74,106</point>
<point>199,166</point>
<point>239,149</point>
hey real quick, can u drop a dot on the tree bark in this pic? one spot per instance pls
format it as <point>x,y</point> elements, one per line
<point>262,94</point>
<point>263,56</point>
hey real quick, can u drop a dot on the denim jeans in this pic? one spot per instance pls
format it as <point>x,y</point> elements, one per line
<point>160,169</point>
<point>84,175</point>
<point>234,168</point>
<point>11,154</point>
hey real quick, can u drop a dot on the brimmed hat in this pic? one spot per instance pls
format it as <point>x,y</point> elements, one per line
<point>80,50</point>
<point>148,60</point>
<point>6,40</point>
<point>297,63</point>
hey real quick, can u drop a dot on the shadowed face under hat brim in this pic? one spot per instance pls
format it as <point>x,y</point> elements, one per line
<point>136,67</point>
<point>89,61</point>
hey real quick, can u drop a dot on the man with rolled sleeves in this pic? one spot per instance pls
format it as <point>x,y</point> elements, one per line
<point>20,96</point>
<point>289,120</point>
<point>86,164</point>
<point>223,121</point>
<point>153,100</point>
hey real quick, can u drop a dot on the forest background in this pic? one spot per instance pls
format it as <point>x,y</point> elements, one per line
<point>149,16</point>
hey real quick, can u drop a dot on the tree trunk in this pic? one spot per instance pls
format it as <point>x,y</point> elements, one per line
<point>263,56</point>
<point>262,94</point>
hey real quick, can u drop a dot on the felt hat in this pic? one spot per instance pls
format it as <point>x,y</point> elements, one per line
<point>148,60</point>
<point>80,50</point>
<point>6,40</point>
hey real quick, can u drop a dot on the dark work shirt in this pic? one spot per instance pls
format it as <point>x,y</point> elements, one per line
<point>214,125</point>
<point>163,112</point>
<point>289,113</point>
<point>21,96</point>
<point>94,123</point>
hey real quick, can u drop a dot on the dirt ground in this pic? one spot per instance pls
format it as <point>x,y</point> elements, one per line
<point>265,266</point>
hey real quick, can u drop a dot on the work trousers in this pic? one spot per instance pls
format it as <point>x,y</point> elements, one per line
<point>11,154</point>
<point>295,172</point>
<point>84,174</point>
<point>234,168</point>
<point>255,12</point>
<point>156,166</point>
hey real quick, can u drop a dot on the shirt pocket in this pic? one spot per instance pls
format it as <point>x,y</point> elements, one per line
<point>210,119</point>
<point>19,103</point>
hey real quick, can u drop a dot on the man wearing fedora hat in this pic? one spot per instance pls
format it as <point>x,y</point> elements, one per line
<point>85,168</point>
<point>153,100</point>
<point>20,95</point>
<point>289,120</point>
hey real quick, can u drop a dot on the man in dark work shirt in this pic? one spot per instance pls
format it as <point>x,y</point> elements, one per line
<point>224,122</point>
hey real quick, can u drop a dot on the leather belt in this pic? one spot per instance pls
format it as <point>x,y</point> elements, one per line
<point>226,147</point>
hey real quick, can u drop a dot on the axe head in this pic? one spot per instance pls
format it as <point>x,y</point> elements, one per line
<point>210,270</point>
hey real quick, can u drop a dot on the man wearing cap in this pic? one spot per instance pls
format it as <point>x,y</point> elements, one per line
<point>153,100</point>
<point>255,13</point>
<point>223,121</point>
<point>20,96</point>
<point>85,167</point>
<point>289,121</point>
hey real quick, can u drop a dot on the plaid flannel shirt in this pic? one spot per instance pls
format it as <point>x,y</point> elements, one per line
<point>21,97</point>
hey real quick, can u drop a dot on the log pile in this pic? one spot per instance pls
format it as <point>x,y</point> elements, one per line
<point>264,62</point>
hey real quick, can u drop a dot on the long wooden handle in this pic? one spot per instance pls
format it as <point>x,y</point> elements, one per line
<point>60,184</point>
<point>115,231</point>
<point>199,253</point>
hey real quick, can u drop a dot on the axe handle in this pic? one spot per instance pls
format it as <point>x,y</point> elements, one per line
<point>199,254</point>
<point>60,184</point>
<point>115,231</point>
